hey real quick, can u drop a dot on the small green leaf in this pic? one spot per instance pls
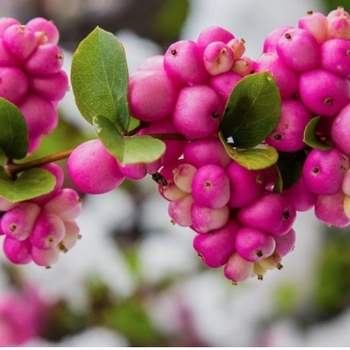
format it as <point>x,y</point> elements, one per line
<point>13,131</point>
<point>127,149</point>
<point>29,184</point>
<point>310,137</point>
<point>259,157</point>
<point>252,111</point>
<point>99,77</point>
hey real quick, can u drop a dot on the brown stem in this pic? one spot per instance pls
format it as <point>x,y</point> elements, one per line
<point>12,169</point>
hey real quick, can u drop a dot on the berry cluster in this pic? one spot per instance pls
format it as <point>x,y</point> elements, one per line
<point>39,229</point>
<point>242,224</point>
<point>30,73</point>
<point>311,66</point>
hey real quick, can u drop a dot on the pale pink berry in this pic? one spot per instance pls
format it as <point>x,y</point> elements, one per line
<point>6,205</point>
<point>218,58</point>
<point>180,211</point>
<point>237,46</point>
<point>317,24</point>
<point>243,66</point>
<point>45,257</point>
<point>92,169</point>
<point>48,231</point>
<point>71,236</point>
<point>339,25</point>
<point>183,176</point>
<point>152,63</point>
<point>238,269</point>
<point>205,220</point>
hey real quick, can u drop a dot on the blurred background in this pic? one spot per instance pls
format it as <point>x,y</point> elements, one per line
<point>134,279</point>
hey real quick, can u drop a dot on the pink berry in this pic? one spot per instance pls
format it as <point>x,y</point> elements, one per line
<point>180,211</point>
<point>323,92</point>
<point>6,205</point>
<point>183,62</point>
<point>270,42</point>
<point>45,257</point>
<point>136,171</point>
<point>206,151</point>
<point>18,252</point>
<point>339,25</point>
<point>211,186</point>
<point>152,95</point>
<point>245,185</point>
<point>213,33</point>
<point>152,63</point>
<point>85,172</point>
<point>46,59</point>
<point>46,27</point>
<point>254,245</point>
<point>243,66</point>
<point>205,220</point>
<point>71,236</point>
<point>197,112</point>
<point>317,24</point>
<point>340,130</point>
<point>216,247</point>
<point>323,171</point>
<point>6,22</point>
<point>224,83</point>
<point>48,231</point>
<point>20,40</point>
<point>183,176</point>
<point>7,58</point>
<point>18,222</point>
<point>218,58</point>
<point>285,244</point>
<point>14,84</point>
<point>237,46</point>
<point>271,213</point>
<point>238,269</point>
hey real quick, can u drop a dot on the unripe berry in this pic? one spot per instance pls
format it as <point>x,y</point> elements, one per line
<point>92,169</point>
<point>299,50</point>
<point>48,231</point>
<point>286,78</point>
<point>346,183</point>
<point>18,252</point>
<point>330,210</point>
<point>6,205</point>
<point>180,211</point>
<point>272,262</point>
<point>218,58</point>
<point>183,176</point>
<point>183,62</point>
<point>20,40</point>
<point>211,186</point>
<point>323,171</point>
<point>46,59</point>
<point>288,134</point>
<point>71,236</point>
<point>237,46</point>
<point>317,24</point>
<point>216,247</point>
<point>323,92</point>
<point>335,56</point>
<point>205,220</point>
<point>238,269</point>
<point>152,95</point>
<point>259,271</point>
<point>339,25</point>
<point>243,66</point>
<point>45,257</point>
<point>245,185</point>
<point>271,213</point>
<point>213,33</point>
<point>197,112</point>
<point>254,245</point>
<point>18,222</point>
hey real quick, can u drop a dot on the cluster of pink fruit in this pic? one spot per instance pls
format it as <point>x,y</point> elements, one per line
<point>39,229</point>
<point>311,66</point>
<point>30,73</point>
<point>241,223</point>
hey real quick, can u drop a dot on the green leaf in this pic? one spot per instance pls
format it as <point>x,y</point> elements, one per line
<point>13,131</point>
<point>127,149</point>
<point>252,111</point>
<point>310,137</point>
<point>99,77</point>
<point>29,184</point>
<point>259,157</point>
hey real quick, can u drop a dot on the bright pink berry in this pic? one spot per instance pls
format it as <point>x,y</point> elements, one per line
<point>340,130</point>
<point>18,252</point>
<point>270,42</point>
<point>14,84</point>
<point>285,244</point>
<point>213,33</point>
<point>224,83</point>
<point>317,24</point>
<point>45,27</point>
